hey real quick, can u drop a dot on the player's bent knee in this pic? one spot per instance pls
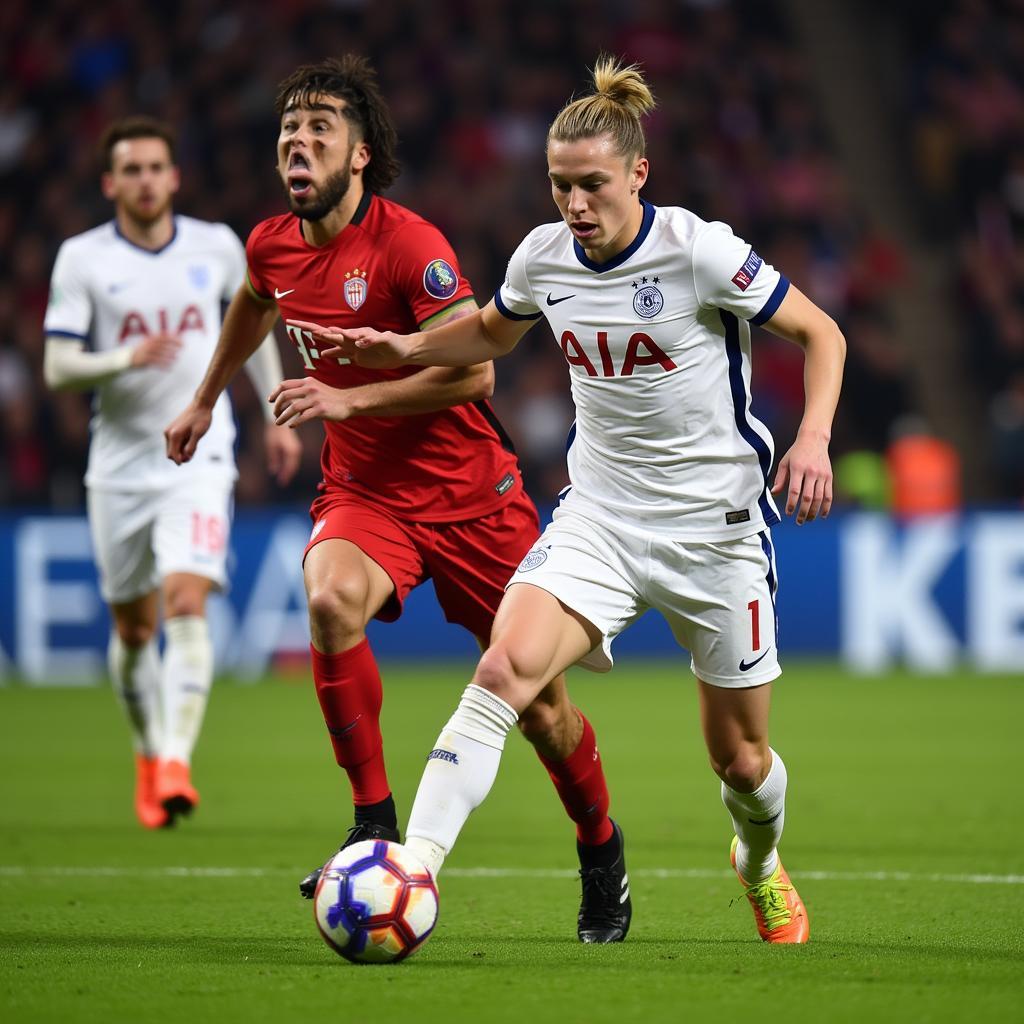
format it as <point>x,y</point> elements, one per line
<point>339,605</point>
<point>744,770</point>
<point>496,673</point>
<point>182,603</point>
<point>135,634</point>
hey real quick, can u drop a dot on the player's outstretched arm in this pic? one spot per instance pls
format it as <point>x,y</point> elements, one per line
<point>432,389</point>
<point>246,323</point>
<point>477,338</point>
<point>805,471</point>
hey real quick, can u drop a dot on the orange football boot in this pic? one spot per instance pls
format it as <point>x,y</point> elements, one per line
<point>174,789</point>
<point>148,809</point>
<point>780,913</point>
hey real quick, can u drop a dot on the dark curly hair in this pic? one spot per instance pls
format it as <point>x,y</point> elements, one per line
<point>352,79</point>
<point>137,127</point>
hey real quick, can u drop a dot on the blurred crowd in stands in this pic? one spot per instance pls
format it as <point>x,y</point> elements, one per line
<point>473,86</point>
<point>968,117</point>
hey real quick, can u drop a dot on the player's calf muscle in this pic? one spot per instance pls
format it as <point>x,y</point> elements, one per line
<point>554,730</point>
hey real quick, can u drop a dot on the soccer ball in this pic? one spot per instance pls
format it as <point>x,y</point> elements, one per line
<point>375,902</point>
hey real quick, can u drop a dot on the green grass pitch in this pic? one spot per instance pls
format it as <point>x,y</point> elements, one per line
<point>904,833</point>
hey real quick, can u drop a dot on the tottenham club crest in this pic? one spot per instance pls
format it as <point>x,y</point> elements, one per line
<point>199,276</point>
<point>538,556</point>
<point>355,288</point>
<point>440,280</point>
<point>648,301</point>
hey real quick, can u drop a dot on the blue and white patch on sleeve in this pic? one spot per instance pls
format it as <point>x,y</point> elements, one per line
<point>746,274</point>
<point>440,280</point>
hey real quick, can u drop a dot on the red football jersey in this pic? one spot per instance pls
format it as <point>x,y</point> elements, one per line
<point>391,270</point>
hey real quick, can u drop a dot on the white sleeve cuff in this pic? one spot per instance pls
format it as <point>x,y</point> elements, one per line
<point>66,364</point>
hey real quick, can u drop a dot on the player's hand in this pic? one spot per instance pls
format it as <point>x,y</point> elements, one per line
<point>306,398</point>
<point>378,350</point>
<point>284,452</point>
<point>805,475</point>
<point>159,350</point>
<point>186,431</point>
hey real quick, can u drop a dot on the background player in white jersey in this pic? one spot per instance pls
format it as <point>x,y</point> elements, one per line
<point>669,505</point>
<point>134,312</point>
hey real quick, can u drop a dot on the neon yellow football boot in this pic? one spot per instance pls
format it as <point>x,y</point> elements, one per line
<point>780,913</point>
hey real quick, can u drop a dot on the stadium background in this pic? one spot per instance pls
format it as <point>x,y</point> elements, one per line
<point>873,151</point>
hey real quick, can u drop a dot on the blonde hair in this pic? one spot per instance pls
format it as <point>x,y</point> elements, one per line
<point>620,98</point>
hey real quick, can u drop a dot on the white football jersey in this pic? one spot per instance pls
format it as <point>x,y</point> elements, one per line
<point>107,292</point>
<point>658,345</point>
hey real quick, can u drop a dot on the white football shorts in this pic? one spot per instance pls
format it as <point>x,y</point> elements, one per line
<point>718,598</point>
<point>140,537</point>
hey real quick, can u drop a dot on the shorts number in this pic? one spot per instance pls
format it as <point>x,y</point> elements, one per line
<point>207,532</point>
<point>755,625</point>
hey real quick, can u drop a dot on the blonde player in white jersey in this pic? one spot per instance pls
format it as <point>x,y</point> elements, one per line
<point>669,506</point>
<point>134,313</point>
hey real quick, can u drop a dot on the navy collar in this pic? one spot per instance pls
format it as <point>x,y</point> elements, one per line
<point>142,248</point>
<point>364,205</point>
<point>617,261</point>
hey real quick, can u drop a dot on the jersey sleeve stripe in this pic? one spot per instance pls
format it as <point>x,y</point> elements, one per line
<point>425,325</point>
<point>50,333</point>
<point>252,290</point>
<point>508,314</point>
<point>773,303</point>
<point>740,398</point>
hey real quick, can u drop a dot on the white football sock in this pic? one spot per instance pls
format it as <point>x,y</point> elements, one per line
<point>135,675</point>
<point>185,684</point>
<point>459,774</point>
<point>758,818</point>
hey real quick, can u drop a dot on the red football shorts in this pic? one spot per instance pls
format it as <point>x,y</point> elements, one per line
<point>470,561</point>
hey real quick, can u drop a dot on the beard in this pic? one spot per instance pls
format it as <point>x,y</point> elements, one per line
<point>327,197</point>
<point>143,217</point>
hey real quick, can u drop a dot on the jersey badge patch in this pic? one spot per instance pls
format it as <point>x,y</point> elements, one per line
<point>746,274</point>
<point>538,556</point>
<point>648,301</point>
<point>355,288</point>
<point>199,276</point>
<point>440,280</point>
<point>505,483</point>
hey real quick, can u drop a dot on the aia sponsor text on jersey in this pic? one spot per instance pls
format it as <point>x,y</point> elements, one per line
<point>640,350</point>
<point>135,324</point>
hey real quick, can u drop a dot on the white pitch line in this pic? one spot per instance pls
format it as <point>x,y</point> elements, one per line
<point>21,871</point>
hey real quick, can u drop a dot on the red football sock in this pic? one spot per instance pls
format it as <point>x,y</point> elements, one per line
<point>350,694</point>
<point>582,789</point>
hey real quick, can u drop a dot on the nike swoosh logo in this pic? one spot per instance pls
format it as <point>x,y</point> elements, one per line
<point>564,298</point>
<point>767,821</point>
<point>747,666</point>
<point>346,729</point>
<point>278,294</point>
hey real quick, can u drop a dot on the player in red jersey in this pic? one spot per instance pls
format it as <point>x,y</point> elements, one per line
<point>419,479</point>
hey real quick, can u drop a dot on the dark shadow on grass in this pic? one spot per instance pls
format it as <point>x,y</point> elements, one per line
<point>199,949</point>
<point>486,950</point>
<point>482,951</point>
